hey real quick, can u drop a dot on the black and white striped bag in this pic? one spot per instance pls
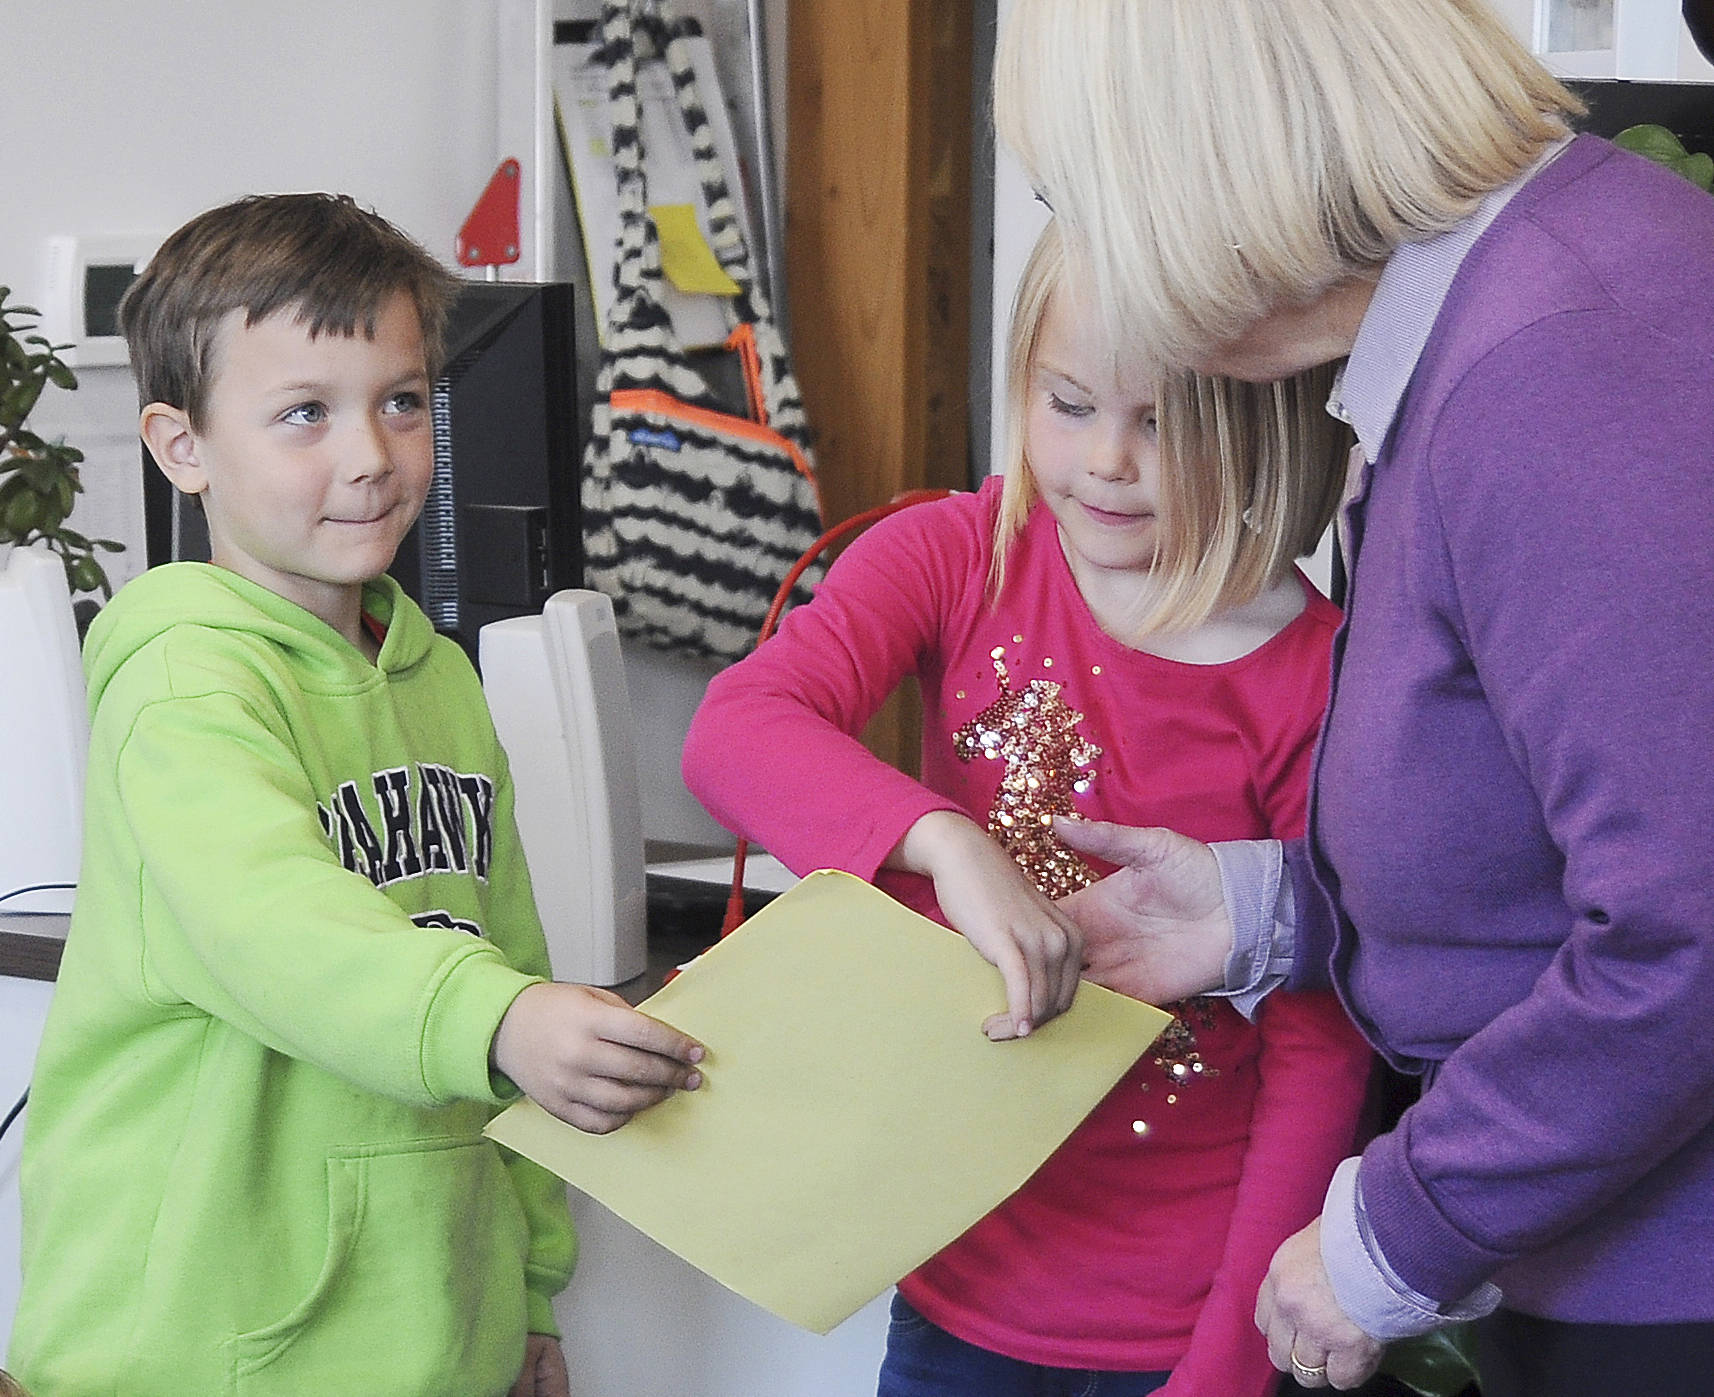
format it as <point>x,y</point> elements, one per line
<point>692,515</point>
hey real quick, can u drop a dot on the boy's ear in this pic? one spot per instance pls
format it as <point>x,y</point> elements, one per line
<point>171,440</point>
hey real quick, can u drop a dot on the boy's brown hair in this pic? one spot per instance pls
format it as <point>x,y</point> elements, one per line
<point>332,261</point>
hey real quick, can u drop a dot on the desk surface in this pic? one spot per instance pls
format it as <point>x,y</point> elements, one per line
<point>685,908</point>
<point>30,945</point>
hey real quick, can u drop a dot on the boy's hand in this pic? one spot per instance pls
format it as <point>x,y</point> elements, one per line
<point>586,1056</point>
<point>544,1372</point>
<point>1037,949</point>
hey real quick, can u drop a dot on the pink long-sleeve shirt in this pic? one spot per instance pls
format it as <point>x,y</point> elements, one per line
<point>1140,1244</point>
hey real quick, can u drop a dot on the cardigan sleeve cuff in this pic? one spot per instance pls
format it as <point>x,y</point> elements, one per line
<point>1370,1292</point>
<point>1259,902</point>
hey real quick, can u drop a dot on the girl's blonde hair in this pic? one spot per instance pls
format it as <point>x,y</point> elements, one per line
<point>1251,473</point>
<point>10,1386</point>
<point>1213,160</point>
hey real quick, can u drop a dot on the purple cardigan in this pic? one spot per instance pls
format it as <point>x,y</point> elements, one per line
<point>1510,866</point>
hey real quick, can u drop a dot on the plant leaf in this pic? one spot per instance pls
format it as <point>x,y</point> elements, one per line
<point>86,574</point>
<point>42,472</point>
<point>1439,1364</point>
<point>1699,170</point>
<point>1654,142</point>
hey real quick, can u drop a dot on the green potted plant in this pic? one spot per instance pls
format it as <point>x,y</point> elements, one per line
<point>39,480</point>
<point>1664,148</point>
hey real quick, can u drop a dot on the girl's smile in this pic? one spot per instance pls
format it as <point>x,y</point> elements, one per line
<point>1117,519</point>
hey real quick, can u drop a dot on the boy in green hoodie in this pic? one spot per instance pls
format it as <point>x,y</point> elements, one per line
<point>305,966</point>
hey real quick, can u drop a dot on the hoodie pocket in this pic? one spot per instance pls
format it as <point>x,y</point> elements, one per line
<point>421,1289</point>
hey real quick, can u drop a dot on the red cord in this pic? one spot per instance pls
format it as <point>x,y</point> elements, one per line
<point>735,899</point>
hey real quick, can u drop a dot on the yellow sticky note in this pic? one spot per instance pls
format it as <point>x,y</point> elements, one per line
<point>686,257</point>
<point>853,1119</point>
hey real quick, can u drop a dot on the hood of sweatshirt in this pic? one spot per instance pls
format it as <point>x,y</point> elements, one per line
<point>201,594</point>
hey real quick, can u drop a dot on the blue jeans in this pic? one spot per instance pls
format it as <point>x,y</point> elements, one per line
<point>923,1360</point>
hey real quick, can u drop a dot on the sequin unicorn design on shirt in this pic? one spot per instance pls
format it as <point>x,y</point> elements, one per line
<point>1034,731</point>
<point>1047,762</point>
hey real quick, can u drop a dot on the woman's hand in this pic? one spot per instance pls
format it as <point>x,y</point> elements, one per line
<point>1308,1334</point>
<point>589,1058</point>
<point>1157,928</point>
<point>984,894</point>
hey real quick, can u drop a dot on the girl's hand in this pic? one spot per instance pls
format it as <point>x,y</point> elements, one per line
<point>544,1372</point>
<point>1037,949</point>
<point>1157,928</point>
<point>589,1058</point>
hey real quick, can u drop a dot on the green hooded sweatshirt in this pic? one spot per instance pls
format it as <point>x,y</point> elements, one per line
<point>254,1163</point>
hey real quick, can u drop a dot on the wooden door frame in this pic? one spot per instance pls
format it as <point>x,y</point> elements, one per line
<point>878,255</point>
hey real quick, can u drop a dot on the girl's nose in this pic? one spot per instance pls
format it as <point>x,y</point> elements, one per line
<point>1113,460</point>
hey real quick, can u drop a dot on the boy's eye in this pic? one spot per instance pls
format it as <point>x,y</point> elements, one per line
<point>404,402</point>
<point>305,415</point>
<point>1069,409</point>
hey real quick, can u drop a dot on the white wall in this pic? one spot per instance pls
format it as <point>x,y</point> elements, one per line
<point>127,118</point>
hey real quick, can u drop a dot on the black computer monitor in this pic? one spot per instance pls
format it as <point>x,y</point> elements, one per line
<point>501,530</point>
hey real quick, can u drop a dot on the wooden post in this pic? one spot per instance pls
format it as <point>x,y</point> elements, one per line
<point>877,236</point>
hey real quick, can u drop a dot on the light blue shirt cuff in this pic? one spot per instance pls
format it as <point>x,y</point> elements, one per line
<point>1264,920</point>
<point>1367,1288</point>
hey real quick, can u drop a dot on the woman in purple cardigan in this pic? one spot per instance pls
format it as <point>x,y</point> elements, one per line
<point>1509,872</point>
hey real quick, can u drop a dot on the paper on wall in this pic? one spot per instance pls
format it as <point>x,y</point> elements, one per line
<point>580,98</point>
<point>854,1119</point>
<point>686,258</point>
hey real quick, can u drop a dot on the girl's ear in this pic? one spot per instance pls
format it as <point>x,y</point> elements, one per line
<point>171,440</point>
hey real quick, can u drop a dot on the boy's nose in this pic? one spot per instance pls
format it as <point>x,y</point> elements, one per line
<point>371,452</point>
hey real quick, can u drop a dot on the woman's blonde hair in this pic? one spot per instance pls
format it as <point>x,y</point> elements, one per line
<point>1251,473</point>
<point>1213,160</point>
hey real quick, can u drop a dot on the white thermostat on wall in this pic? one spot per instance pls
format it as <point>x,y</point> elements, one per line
<point>86,277</point>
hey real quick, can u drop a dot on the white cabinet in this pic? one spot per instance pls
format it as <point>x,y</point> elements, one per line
<point>23,1010</point>
<point>637,1319</point>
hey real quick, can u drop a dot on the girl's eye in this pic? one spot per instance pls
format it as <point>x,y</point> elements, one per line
<point>1152,425</point>
<point>1067,409</point>
<point>402,403</point>
<point>305,415</point>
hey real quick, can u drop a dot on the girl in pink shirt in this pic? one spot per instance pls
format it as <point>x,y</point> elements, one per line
<point>1098,636</point>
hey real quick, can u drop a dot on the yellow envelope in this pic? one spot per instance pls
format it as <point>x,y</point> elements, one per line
<point>686,257</point>
<point>853,1118</point>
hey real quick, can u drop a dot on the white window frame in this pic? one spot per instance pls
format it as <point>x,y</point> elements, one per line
<point>1645,42</point>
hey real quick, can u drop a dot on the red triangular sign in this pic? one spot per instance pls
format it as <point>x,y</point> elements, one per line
<point>489,237</point>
